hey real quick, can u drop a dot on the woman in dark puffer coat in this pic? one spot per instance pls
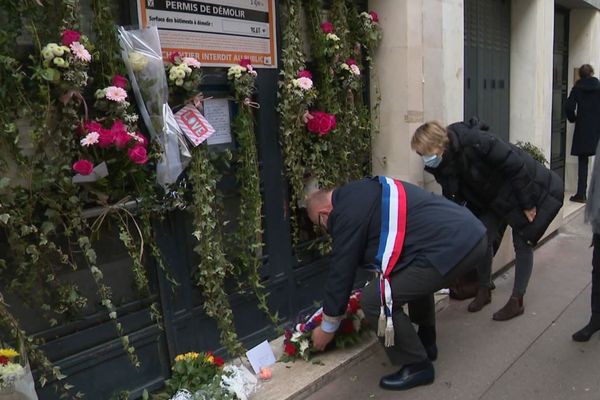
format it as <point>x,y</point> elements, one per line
<point>499,183</point>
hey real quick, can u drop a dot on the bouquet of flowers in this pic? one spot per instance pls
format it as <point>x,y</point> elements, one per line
<point>350,74</point>
<point>67,63</point>
<point>10,370</point>
<point>319,122</point>
<point>331,39</point>
<point>191,371</point>
<point>371,33</point>
<point>142,55</point>
<point>183,72</point>
<point>297,342</point>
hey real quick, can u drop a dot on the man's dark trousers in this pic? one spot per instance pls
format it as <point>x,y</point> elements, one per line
<point>415,284</point>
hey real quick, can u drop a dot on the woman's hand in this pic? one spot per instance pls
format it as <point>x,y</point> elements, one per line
<point>530,214</point>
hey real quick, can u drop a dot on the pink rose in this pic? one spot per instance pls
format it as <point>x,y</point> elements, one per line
<point>321,123</point>
<point>351,61</point>
<point>304,73</point>
<point>244,62</point>
<point>70,36</point>
<point>106,138</point>
<point>83,167</point>
<point>327,27</point>
<point>173,57</point>
<point>374,16</point>
<point>119,81</point>
<point>138,154</point>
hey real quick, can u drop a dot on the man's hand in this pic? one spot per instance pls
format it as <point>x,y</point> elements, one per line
<point>530,214</point>
<point>321,339</point>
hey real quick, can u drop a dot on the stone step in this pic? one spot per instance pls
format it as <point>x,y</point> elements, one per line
<point>297,380</point>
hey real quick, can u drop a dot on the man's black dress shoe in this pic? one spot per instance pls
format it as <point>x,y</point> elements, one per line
<point>409,376</point>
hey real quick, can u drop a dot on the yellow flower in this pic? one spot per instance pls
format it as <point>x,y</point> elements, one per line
<point>8,353</point>
<point>187,356</point>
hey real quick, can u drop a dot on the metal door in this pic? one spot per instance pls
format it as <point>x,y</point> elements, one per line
<point>487,63</point>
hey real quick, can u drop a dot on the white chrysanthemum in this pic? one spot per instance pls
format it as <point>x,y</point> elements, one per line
<point>90,139</point>
<point>235,71</point>
<point>60,62</point>
<point>11,372</point>
<point>100,93</point>
<point>333,37</point>
<point>80,52</point>
<point>191,62</point>
<point>345,66</point>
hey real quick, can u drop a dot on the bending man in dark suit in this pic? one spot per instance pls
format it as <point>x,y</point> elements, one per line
<point>436,241</point>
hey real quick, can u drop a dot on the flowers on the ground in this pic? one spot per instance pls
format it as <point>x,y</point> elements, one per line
<point>10,370</point>
<point>297,342</point>
<point>192,371</point>
<point>320,122</point>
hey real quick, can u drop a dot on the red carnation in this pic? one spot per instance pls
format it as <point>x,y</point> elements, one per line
<point>374,16</point>
<point>350,61</point>
<point>288,334</point>
<point>119,81</point>
<point>4,360</point>
<point>107,137</point>
<point>83,167</point>
<point>346,326</point>
<point>290,349</point>
<point>304,73</point>
<point>244,62</point>
<point>138,154</point>
<point>318,319</point>
<point>70,36</point>
<point>327,27</point>
<point>353,305</point>
<point>92,126</point>
<point>121,137</point>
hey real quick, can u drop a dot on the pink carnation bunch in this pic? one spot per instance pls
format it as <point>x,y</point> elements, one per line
<point>320,123</point>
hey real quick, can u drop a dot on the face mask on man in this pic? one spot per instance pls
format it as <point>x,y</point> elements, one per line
<point>432,161</point>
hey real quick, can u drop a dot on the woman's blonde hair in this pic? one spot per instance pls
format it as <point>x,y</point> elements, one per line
<point>429,137</point>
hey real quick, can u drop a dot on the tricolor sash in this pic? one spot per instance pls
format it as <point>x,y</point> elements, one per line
<point>391,241</point>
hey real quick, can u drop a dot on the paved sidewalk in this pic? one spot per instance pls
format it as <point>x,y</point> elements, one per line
<point>529,357</point>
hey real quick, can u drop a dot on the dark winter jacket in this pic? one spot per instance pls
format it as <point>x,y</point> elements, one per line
<point>583,108</point>
<point>438,234</point>
<point>487,174</point>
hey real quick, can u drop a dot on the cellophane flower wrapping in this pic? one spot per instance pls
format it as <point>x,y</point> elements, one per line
<point>142,55</point>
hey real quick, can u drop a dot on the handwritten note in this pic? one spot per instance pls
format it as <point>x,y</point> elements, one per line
<point>216,111</point>
<point>261,356</point>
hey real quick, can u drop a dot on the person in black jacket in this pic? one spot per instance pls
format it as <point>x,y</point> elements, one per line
<point>583,108</point>
<point>592,216</point>
<point>440,241</point>
<point>499,183</point>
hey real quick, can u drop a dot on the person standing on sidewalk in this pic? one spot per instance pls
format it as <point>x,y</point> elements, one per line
<point>592,216</point>
<point>499,183</point>
<point>583,109</point>
<point>416,241</point>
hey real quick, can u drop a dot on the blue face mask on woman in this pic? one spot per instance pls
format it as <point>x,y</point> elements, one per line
<point>432,161</point>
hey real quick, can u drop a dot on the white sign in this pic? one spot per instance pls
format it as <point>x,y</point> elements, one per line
<point>261,356</point>
<point>216,111</point>
<point>218,33</point>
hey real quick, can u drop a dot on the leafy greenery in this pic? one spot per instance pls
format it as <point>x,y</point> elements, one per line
<point>533,151</point>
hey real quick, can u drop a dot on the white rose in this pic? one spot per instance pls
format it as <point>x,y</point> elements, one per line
<point>138,61</point>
